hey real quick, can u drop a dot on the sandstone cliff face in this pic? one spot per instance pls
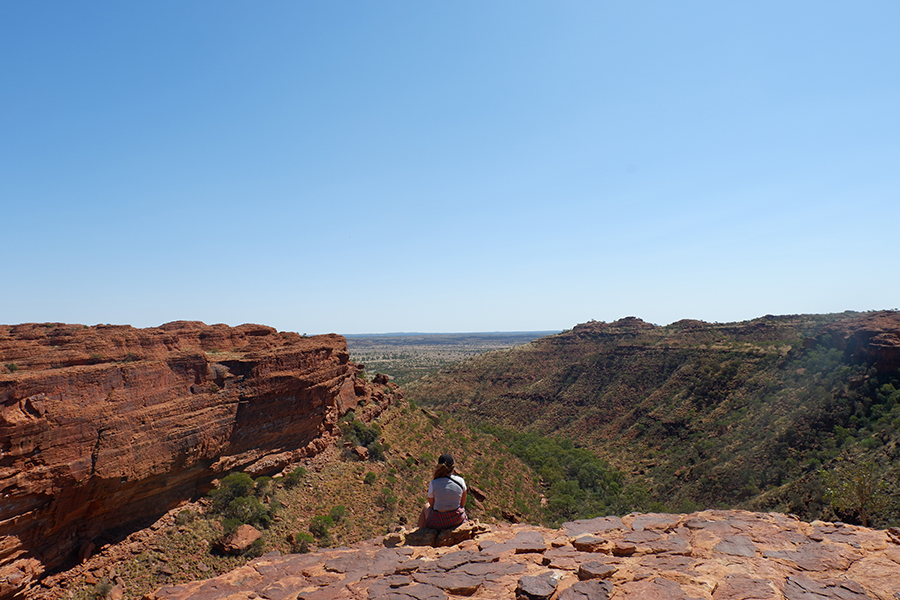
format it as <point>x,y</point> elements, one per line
<point>107,426</point>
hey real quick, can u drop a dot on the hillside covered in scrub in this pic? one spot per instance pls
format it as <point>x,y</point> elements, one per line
<point>751,414</point>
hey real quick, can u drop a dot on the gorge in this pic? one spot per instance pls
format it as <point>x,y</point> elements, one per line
<point>105,428</point>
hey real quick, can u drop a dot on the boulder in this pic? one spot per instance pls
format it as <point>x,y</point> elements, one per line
<point>537,587</point>
<point>466,531</point>
<point>595,570</point>
<point>587,590</point>
<point>239,541</point>
<point>422,536</point>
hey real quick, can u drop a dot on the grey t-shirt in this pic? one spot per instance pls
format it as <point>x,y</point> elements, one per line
<point>447,492</point>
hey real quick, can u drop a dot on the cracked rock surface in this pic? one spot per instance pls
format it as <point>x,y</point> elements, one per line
<point>717,555</point>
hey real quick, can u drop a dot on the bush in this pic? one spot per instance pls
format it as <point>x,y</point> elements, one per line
<point>358,433</point>
<point>184,517</point>
<point>230,526</point>
<point>386,499</point>
<point>234,499</point>
<point>320,525</point>
<point>856,487</point>
<point>293,478</point>
<point>300,542</point>
<point>250,510</point>
<point>337,513</point>
<point>230,487</point>
<point>263,486</point>
<point>102,589</point>
<point>12,367</point>
<point>256,549</point>
<point>369,478</point>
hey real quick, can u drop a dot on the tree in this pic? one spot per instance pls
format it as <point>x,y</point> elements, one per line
<point>856,486</point>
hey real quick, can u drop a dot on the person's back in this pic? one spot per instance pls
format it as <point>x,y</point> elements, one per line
<point>447,492</point>
<point>446,497</point>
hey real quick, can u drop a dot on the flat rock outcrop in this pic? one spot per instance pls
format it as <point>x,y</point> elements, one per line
<point>710,555</point>
<point>102,428</point>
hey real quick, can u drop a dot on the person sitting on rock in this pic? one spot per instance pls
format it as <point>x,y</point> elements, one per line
<point>446,498</point>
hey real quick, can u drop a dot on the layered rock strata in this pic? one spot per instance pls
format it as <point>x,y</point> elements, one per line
<point>106,427</point>
<point>711,555</point>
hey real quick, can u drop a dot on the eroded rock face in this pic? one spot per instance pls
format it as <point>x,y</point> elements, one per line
<point>873,337</point>
<point>102,427</point>
<point>675,557</point>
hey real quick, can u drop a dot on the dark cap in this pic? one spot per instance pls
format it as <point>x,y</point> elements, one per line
<point>445,459</point>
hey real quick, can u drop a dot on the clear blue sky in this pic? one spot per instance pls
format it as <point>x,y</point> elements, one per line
<point>447,166</point>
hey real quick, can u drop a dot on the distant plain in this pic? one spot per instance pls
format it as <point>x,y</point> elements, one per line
<point>408,356</point>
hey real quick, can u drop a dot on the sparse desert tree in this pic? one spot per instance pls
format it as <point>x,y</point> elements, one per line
<point>856,486</point>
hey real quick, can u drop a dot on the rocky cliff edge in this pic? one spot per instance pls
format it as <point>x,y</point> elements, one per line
<point>718,555</point>
<point>104,429</point>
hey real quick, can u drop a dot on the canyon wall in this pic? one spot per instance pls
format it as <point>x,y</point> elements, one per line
<point>104,428</point>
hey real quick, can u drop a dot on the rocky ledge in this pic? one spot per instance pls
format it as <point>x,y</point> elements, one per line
<point>718,555</point>
<point>103,429</point>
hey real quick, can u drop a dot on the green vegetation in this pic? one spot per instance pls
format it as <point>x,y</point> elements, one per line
<point>102,589</point>
<point>337,513</point>
<point>357,433</point>
<point>342,501</point>
<point>577,484</point>
<point>704,415</point>
<point>12,367</point>
<point>301,542</point>
<point>858,488</point>
<point>293,478</point>
<point>320,527</point>
<point>235,500</point>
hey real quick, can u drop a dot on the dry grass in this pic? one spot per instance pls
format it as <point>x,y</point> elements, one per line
<point>176,553</point>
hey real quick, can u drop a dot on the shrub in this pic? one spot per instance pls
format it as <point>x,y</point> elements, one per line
<point>376,451</point>
<point>184,517</point>
<point>256,549</point>
<point>369,478</point>
<point>856,487</point>
<point>102,589</point>
<point>293,478</point>
<point>337,513</point>
<point>300,542</point>
<point>386,499</point>
<point>319,527</point>
<point>234,499</point>
<point>12,367</point>
<point>229,526</point>
<point>230,487</point>
<point>263,486</point>
<point>248,509</point>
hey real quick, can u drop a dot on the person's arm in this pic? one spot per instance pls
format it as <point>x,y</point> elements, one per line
<point>462,500</point>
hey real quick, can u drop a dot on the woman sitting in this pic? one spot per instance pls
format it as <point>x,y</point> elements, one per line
<point>446,498</point>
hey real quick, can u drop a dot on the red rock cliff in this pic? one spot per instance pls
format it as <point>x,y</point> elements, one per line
<point>105,426</point>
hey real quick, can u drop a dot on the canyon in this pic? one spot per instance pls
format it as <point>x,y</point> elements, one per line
<point>105,428</point>
<point>702,414</point>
